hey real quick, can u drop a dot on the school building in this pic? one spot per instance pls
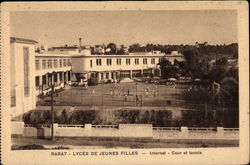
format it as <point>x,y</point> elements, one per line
<point>33,73</point>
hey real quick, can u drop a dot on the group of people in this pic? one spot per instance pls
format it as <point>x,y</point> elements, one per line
<point>153,90</point>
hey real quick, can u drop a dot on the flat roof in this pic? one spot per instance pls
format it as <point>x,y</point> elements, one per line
<point>22,40</point>
<point>51,55</point>
<point>126,56</point>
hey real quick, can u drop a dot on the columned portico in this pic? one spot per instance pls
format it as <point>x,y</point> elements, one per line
<point>62,73</point>
<point>40,81</point>
<point>69,75</point>
<point>109,76</point>
<point>52,79</point>
<point>118,75</point>
<point>114,75</point>
<point>46,81</point>
<point>58,77</point>
<point>66,76</point>
<point>98,76</point>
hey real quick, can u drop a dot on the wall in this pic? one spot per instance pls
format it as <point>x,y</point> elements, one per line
<point>77,65</point>
<point>23,103</point>
<point>17,127</point>
<point>82,64</point>
<point>127,131</point>
<point>43,71</point>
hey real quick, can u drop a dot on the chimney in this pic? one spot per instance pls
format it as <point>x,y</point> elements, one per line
<point>80,45</point>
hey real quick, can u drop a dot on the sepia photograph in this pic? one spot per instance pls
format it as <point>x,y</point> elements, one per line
<point>124,80</point>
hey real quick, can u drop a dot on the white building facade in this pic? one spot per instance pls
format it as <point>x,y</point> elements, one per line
<point>22,57</point>
<point>51,69</point>
<point>33,74</point>
<point>115,67</point>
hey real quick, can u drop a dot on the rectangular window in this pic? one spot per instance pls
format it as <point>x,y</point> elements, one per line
<point>128,61</point>
<point>109,61</point>
<point>26,70</point>
<point>118,61</point>
<point>137,61</point>
<point>152,61</point>
<point>55,63</point>
<point>91,64</point>
<point>145,61</point>
<point>60,63</point>
<point>64,62</point>
<point>69,62</point>
<point>44,64</point>
<point>49,63</point>
<point>98,62</point>
<point>13,97</point>
<point>37,65</point>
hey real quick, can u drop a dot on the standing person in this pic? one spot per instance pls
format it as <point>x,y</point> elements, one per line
<point>125,98</point>
<point>137,99</point>
<point>146,93</point>
<point>128,92</point>
<point>93,90</point>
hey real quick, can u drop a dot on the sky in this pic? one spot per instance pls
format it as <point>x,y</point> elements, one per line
<point>125,27</point>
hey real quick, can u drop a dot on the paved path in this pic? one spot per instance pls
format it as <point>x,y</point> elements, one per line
<point>169,108</point>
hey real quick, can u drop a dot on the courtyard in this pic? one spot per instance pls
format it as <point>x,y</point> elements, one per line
<point>126,94</point>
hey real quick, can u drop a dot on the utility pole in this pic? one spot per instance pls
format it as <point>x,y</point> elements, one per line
<point>165,95</point>
<point>176,92</point>
<point>141,93</point>
<point>52,106</point>
<point>136,97</point>
<point>52,112</point>
<point>102,94</point>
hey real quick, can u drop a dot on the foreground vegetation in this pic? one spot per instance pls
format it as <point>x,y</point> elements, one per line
<point>158,118</point>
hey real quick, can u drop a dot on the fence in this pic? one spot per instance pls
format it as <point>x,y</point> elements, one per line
<point>201,129</point>
<point>166,128</point>
<point>231,129</point>
<point>125,130</point>
<point>104,126</point>
<point>70,126</point>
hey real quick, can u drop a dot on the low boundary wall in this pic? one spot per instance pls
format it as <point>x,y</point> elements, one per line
<point>125,131</point>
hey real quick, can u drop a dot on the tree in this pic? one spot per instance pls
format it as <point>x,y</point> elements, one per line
<point>121,50</point>
<point>167,69</point>
<point>221,61</point>
<point>194,63</point>
<point>217,74</point>
<point>230,91</point>
<point>112,48</point>
<point>135,48</point>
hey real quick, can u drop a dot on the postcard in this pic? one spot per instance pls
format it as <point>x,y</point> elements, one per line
<point>125,82</point>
